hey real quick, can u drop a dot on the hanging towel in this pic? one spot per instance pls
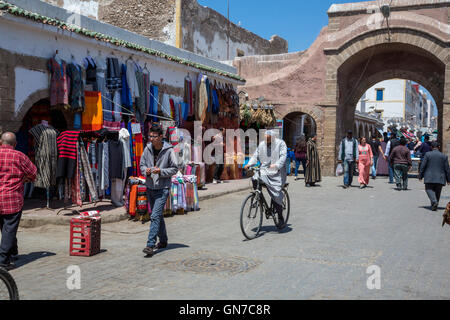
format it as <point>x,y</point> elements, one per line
<point>154,102</point>
<point>92,117</point>
<point>127,101</point>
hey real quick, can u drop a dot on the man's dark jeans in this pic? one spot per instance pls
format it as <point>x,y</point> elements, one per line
<point>433,191</point>
<point>218,171</point>
<point>157,199</point>
<point>9,223</point>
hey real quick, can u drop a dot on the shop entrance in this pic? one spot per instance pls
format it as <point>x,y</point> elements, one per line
<point>297,125</point>
<point>39,112</point>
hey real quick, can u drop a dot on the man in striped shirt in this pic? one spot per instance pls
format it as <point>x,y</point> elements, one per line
<point>15,169</point>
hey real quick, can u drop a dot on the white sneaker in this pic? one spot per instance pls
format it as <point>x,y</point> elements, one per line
<point>220,181</point>
<point>215,181</point>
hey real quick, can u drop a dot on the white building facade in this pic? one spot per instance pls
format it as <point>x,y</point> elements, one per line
<point>400,102</point>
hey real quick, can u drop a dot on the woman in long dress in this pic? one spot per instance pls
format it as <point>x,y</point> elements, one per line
<point>365,162</point>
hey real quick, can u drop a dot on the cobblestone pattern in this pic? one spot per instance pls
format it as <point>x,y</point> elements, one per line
<point>332,237</point>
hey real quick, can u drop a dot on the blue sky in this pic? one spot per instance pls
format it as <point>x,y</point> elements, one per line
<point>297,21</point>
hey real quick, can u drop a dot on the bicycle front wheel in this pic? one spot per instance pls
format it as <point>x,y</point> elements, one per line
<point>8,287</point>
<point>251,217</point>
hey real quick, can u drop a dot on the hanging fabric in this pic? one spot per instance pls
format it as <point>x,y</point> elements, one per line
<point>154,102</point>
<point>92,118</point>
<point>87,172</point>
<point>59,83</point>
<point>45,155</point>
<point>67,154</point>
<point>91,73</point>
<point>76,97</point>
<point>126,100</point>
<point>113,77</point>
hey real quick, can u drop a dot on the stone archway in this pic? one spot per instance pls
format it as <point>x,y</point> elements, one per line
<point>315,112</point>
<point>32,99</point>
<point>367,59</point>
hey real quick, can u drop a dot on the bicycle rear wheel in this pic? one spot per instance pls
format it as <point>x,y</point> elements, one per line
<point>285,213</point>
<point>8,287</point>
<point>251,216</point>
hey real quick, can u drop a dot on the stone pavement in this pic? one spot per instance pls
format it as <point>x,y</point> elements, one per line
<point>334,236</point>
<point>35,213</point>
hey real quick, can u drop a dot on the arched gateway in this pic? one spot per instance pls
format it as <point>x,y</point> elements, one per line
<point>356,51</point>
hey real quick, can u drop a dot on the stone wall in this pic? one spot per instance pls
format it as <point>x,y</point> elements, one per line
<point>205,32</point>
<point>154,19</point>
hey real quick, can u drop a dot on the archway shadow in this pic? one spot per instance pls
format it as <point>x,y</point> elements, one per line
<point>23,259</point>
<point>170,246</point>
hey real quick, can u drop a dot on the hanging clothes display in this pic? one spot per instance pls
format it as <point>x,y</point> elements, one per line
<point>113,76</point>
<point>76,188</point>
<point>92,118</point>
<point>59,83</point>
<point>188,96</point>
<point>146,92</point>
<point>101,71</point>
<point>131,79</point>
<point>127,101</point>
<point>86,175</point>
<point>154,96</point>
<point>140,99</point>
<point>91,74</point>
<point>76,95</point>
<point>45,155</point>
<point>202,99</point>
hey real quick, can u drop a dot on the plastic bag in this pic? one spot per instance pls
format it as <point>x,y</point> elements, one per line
<point>339,170</point>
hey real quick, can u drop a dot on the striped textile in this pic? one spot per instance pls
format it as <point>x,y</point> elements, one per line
<point>75,186</point>
<point>67,144</point>
<point>87,171</point>
<point>46,155</point>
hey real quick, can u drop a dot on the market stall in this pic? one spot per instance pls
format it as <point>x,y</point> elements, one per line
<point>107,107</point>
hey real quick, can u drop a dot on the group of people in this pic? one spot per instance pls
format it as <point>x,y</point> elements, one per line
<point>433,167</point>
<point>158,164</point>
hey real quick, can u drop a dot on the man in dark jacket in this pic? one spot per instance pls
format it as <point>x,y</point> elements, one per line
<point>435,170</point>
<point>158,164</point>
<point>400,160</point>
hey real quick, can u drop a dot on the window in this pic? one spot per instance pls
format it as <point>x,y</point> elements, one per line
<point>380,94</point>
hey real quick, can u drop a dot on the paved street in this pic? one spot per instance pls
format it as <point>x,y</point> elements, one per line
<point>333,237</point>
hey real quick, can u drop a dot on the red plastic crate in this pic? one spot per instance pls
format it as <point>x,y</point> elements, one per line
<point>85,237</point>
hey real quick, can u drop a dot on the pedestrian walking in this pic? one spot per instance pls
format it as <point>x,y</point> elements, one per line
<point>300,156</point>
<point>349,156</point>
<point>219,139</point>
<point>158,164</point>
<point>377,150</point>
<point>400,160</point>
<point>15,170</point>
<point>313,173</point>
<point>435,172</point>
<point>392,143</point>
<point>365,163</point>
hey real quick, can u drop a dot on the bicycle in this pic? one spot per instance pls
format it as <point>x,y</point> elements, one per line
<point>8,287</point>
<point>257,203</point>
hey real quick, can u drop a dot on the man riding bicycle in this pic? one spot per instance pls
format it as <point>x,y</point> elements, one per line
<point>272,154</point>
